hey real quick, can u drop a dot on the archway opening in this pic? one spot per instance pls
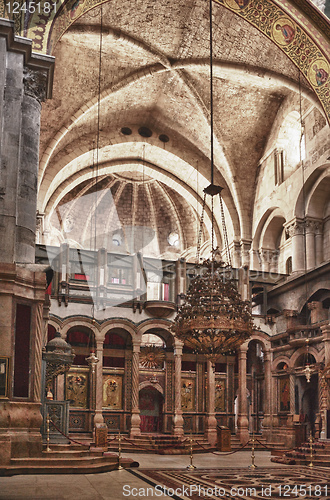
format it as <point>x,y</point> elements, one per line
<point>151,410</point>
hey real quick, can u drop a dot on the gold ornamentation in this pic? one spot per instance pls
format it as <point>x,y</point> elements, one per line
<point>188,394</point>
<point>151,356</point>
<point>112,392</point>
<point>76,389</point>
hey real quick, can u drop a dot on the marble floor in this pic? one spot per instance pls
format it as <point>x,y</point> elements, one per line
<point>117,485</point>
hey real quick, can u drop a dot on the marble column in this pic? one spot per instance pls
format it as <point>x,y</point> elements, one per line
<point>295,230</point>
<point>177,419</point>
<point>135,418</point>
<point>268,393</point>
<point>325,329</point>
<point>230,393</point>
<point>310,244</point>
<point>211,421</point>
<point>318,243</point>
<point>24,78</point>
<point>98,384</point>
<point>242,421</point>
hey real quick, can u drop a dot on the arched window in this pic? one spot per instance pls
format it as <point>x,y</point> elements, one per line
<point>288,266</point>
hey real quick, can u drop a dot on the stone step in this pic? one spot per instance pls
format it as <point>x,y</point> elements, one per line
<point>301,455</point>
<point>106,465</point>
<point>67,447</point>
<point>70,453</point>
<point>60,461</point>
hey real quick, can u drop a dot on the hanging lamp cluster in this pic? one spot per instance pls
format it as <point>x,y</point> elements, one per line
<point>214,320</point>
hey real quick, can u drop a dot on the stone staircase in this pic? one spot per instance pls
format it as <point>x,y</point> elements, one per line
<point>302,455</point>
<point>161,444</point>
<point>67,459</point>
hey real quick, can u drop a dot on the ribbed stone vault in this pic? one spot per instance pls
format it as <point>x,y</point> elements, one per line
<point>153,72</point>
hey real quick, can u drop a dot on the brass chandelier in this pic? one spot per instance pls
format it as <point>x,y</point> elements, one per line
<point>214,320</point>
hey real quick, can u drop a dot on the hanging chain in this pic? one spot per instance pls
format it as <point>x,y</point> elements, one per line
<point>212,229</point>
<point>224,229</point>
<point>200,232</point>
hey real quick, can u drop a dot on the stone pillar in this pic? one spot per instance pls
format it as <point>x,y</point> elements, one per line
<point>242,421</point>
<point>23,81</point>
<point>265,256</point>
<point>98,383</point>
<point>317,312</point>
<point>34,94</point>
<point>325,329</point>
<point>268,393</point>
<point>310,244</point>
<point>211,421</point>
<point>324,380</point>
<point>245,252</point>
<point>318,243</point>
<point>230,393</point>
<point>235,254</point>
<point>177,419</point>
<point>292,396</point>
<point>295,230</point>
<point>135,419</point>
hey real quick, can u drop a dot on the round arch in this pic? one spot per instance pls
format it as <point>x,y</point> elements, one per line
<point>84,322</point>
<point>122,324</point>
<point>146,384</point>
<point>310,187</point>
<point>281,359</point>
<point>302,351</point>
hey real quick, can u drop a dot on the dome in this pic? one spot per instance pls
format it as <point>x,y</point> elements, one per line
<point>58,345</point>
<point>127,212</point>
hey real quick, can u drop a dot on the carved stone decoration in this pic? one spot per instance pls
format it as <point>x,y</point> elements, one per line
<point>35,84</point>
<point>295,228</point>
<point>151,356</point>
<point>59,356</point>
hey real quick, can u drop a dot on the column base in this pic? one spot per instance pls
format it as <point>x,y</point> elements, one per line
<point>243,429</point>
<point>211,429</point>
<point>178,424</point>
<point>98,417</point>
<point>20,434</point>
<point>135,424</point>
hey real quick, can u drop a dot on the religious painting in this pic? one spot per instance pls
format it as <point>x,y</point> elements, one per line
<point>220,387</point>
<point>188,394</point>
<point>76,389</point>
<point>112,392</point>
<point>77,9</point>
<point>4,374</point>
<point>318,73</point>
<point>236,4</point>
<point>284,31</point>
<point>284,388</point>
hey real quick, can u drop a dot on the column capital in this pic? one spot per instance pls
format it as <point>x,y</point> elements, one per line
<point>136,346</point>
<point>35,84</point>
<point>313,225</point>
<point>243,350</point>
<point>294,227</point>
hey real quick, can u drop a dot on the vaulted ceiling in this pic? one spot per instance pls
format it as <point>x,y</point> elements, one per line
<point>129,68</point>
